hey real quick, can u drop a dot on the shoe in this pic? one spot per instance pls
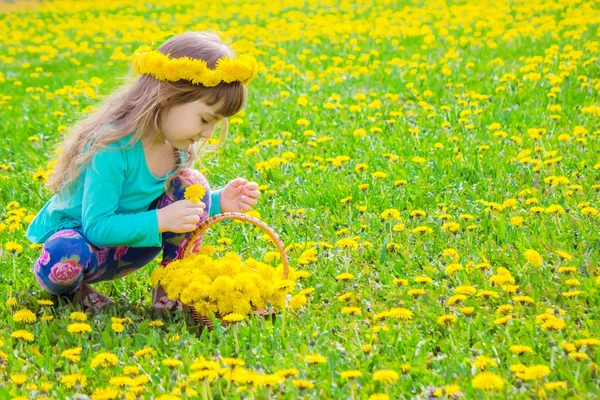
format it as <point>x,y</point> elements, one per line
<point>91,298</point>
<point>162,304</point>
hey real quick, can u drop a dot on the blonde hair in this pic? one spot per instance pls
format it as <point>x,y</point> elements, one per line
<point>136,107</point>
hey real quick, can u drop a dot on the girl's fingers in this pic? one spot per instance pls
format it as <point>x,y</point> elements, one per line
<point>192,219</point>
<point>249,200</point>
<point>254,193</point>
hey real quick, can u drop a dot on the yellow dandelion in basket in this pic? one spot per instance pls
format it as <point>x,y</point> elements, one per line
<point>194,193</point>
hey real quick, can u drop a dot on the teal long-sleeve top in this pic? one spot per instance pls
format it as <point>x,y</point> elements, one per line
<point>110,201</point>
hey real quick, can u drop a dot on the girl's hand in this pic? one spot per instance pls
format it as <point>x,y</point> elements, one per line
<point>239,195</point>
<point>180,217</point>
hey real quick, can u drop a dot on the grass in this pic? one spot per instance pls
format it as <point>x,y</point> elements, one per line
<point>470,110</point>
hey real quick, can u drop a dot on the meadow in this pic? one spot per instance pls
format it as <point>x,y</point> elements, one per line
<point>433,168</point>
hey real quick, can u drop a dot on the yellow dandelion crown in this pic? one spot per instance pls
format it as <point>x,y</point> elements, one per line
<point>148,61</point>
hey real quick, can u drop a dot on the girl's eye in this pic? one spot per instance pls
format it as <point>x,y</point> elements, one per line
<point>204,121</point>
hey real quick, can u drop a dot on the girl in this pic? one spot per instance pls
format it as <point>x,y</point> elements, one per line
<point>120,178</point>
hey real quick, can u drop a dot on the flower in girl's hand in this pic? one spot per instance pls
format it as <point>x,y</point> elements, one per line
<point>194,193</point>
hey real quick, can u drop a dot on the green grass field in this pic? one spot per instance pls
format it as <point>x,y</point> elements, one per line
<point>434,167</point>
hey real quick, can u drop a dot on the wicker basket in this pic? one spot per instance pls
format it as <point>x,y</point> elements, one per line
<point>206,321</point>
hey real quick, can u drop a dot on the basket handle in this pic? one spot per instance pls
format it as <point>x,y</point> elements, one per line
<point>200,229</point>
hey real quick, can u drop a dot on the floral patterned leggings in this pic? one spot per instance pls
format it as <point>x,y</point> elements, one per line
<point>68,259</point>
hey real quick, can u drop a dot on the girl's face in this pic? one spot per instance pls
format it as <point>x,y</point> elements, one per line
<point>184,124</point>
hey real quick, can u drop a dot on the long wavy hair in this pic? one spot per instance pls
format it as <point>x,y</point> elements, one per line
<point>136,108</point>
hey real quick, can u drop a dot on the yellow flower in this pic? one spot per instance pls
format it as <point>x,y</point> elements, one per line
<point>72,354</point>
<point>502,320</point>
<point>533,257</point>
<point>487,381</point>
<point>518,349</point>
<point>171,362</point>
<point>78,316</point>
<point>483,362</point>
<point>105,393</point>
<point>578,356</point>
<point>233,317</point>
<point>79,327</point>
<point>351,374</point>
<point>564,255</point>
<point>13,247</point>
<point>345,276</point>
<point>379,396</point>
<point>448,391</point>
<point>467,310</point>
<point>104,360</point>
<point>24,315</point>
<point>315,359</point>
<point>298,301</point>
<point>351,310</point>
<point>144,352</point>
<point>117,327</point>
<point>385,376</point>
<point>391,213</point>
<point>555,385</point>
<point>534,372</point>
<point>23,335</point>
<point>73,379</point>
<point>194,193</point>
<point>233,362</point>
<point>286,373</point>
<point>446,319</point>
<point>302,384</point>
<point>18,379</point>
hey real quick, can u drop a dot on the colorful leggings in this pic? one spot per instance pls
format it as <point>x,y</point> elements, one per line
<point>68,259</point>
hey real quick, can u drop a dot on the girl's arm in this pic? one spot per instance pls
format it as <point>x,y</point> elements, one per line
<point>104,178</point>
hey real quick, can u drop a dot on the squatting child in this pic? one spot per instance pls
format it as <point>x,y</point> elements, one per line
<point>121,173</point>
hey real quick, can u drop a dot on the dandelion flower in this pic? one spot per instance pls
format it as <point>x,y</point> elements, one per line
<point>298,301</point>
<point>302,384</point>
<point>24,315</point>
<point>194,193</point>
<point>386,376</point>
<point>171,362</point>
<point>315,359</point>
<point>78,316</point>
<point>18,379</point>
<point>518,349</point>
<point>351,374</point>
<point>73,379</point>
<point>79,327</point>
<point>104,360</point>
<point>487,381</point>
<point>233,317</point>
<point>23,335</point>
<point>344,277</point>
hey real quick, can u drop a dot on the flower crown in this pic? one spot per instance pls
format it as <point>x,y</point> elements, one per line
<point>151,62</point>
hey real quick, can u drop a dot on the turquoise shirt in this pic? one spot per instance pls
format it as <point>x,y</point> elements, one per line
<point>110,201</point>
